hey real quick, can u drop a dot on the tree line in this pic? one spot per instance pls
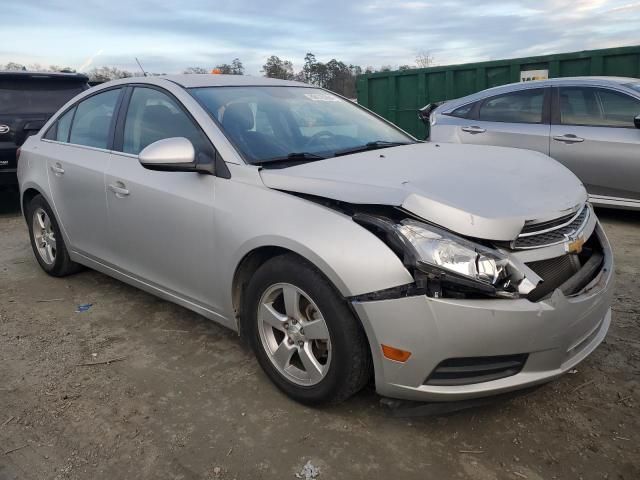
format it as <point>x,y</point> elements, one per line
<point>333,75</point>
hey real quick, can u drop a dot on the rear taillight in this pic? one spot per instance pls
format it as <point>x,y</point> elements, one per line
<point>18,154</point>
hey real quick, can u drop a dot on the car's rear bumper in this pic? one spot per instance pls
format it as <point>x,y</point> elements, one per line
<point>553,335</point>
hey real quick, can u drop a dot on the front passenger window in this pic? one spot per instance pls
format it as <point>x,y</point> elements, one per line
<point>618,109</point>
<point>578,106</point>
<point>153,115</point>
<point>597,107</point>
<point>92,121</point>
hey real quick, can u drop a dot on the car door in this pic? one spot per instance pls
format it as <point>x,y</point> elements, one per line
<point>515,119</point>
<point>161,223</point>
<point>593,134</point>
<point>77,158</point>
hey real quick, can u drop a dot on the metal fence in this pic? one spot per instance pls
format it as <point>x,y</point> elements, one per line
<point>397,95</point>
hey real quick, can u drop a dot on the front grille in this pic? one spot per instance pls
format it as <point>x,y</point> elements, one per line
<point>536,227</point>
<point>551,232</point>
<point>466,371</point>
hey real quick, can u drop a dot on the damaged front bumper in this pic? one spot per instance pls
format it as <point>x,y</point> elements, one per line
<point>468,348</point>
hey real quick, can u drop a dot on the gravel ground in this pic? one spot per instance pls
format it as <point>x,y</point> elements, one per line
<point>187,400</point>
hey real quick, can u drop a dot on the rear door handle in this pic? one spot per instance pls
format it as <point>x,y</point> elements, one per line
<point>57,169</point>
<point>568,138</point>
<point>119,189</point>
<point>474,129</point>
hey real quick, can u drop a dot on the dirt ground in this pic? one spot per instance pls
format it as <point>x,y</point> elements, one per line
<point>187,400</point>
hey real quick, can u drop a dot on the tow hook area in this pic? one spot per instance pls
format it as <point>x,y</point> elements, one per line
<point>407,408</point>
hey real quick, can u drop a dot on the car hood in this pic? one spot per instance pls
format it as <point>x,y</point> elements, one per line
<point>479,191</point>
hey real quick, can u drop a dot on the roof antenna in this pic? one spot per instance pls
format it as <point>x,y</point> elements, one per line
<point>138,62</point>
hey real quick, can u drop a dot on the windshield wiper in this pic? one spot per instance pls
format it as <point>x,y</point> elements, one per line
<point>370,146</point>
<point>294,158</point>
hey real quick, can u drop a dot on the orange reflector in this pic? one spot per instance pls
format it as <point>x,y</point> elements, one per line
<point>395,353</point>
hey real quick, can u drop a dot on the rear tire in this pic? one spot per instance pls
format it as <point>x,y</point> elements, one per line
<point>47,241</point>
<point>303,333</point>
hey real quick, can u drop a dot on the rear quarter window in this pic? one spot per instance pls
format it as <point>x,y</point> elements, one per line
<point>59,131</point>
<point>463,112</point>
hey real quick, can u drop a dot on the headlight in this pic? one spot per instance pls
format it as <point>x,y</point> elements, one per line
<point>445,263</point>
<point>438,248</point>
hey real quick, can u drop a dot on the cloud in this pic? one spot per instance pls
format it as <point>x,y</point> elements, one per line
<point>168,36</point>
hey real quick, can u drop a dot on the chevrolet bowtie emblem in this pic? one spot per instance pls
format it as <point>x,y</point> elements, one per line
<point>574,245</point>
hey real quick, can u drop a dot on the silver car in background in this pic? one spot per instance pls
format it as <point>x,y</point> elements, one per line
<point>337,245</point>
<point>589,124</point>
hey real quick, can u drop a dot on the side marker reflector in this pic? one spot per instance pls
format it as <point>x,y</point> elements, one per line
<point>395,353</point>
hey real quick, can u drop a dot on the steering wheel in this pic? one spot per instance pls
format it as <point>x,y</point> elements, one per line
<point>319,137</point>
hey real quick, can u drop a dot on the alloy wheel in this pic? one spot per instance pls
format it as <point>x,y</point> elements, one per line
<point>44,236</point>
<point>294,334</point>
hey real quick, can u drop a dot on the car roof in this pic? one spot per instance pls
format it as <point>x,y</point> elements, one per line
<point>592,80</point>
<point>24,75</point>
<point>587,80</point>
<point>210,80</point>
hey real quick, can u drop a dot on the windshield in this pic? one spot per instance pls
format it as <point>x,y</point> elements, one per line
<point>24,97</point>
<point>270,123</point>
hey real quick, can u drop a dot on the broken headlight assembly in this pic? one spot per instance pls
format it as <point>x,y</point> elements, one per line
<point>445,264</point>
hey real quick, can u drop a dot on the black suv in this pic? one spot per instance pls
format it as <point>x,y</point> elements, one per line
<point>27,100</point>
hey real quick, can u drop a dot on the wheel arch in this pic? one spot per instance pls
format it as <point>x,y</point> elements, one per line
<point>245,270</point>
<point>28,195</point>
<point>251,262</point>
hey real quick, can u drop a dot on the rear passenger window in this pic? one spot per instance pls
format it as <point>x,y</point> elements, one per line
<point>153,115</point>
<point>92,121</point>
<point>517,107</point>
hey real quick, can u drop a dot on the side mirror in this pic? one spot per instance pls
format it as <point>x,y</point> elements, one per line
<point>636,121</point>
<point>169,155</point>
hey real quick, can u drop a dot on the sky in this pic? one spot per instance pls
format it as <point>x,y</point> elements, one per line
<point>168,36</point>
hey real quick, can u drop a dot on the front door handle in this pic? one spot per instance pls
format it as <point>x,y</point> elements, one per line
<point>119,189</point>
<point>568,138</point>
<point>474,129</point>
<point>57,169</point>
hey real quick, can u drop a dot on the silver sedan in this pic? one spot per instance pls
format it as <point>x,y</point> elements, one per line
<point>337,245</point>
<point>589,124</point>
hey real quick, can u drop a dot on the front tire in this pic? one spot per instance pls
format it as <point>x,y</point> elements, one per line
<point>46,239</point>
<point>303,333</point>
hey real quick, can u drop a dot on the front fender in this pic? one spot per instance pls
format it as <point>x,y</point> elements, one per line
<point>351,257</point>
<point>367,269</point>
